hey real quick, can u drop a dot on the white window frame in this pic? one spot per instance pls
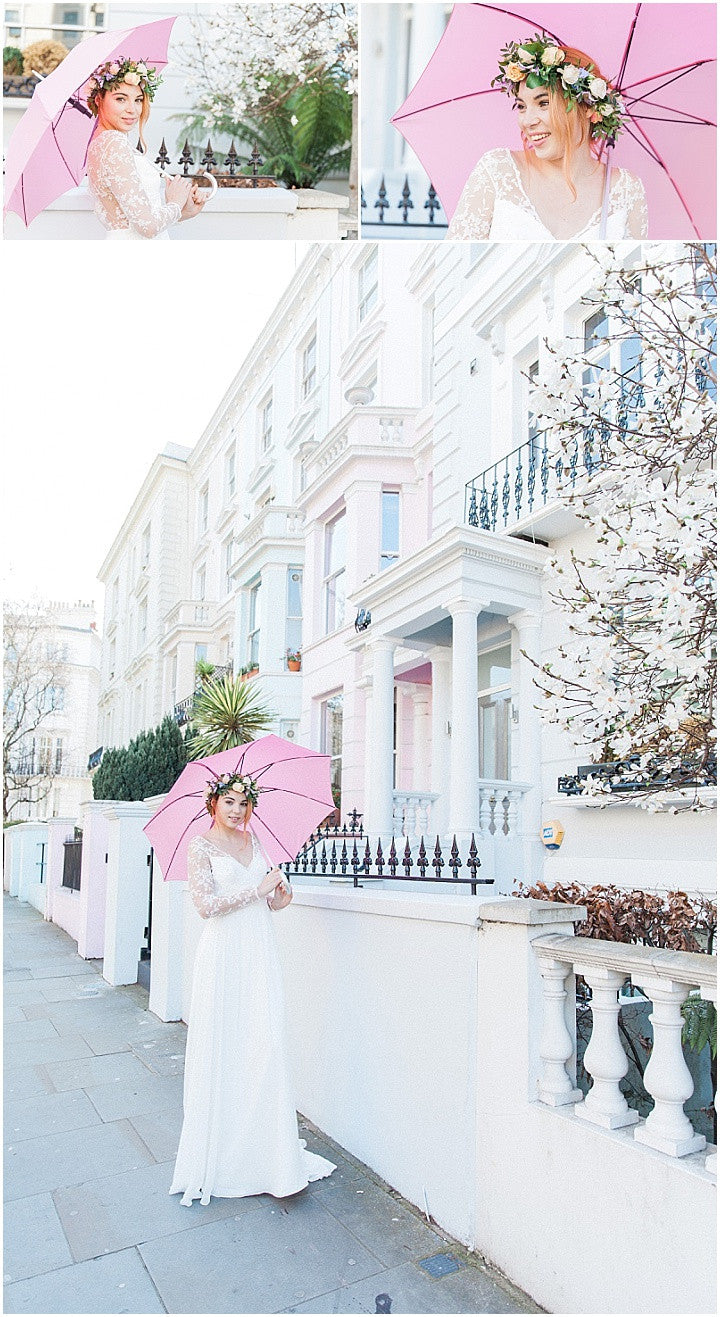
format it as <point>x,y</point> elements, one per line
<point>331,578</point>
<point>389,556</point>
<point>253,633</point>
<point>368,284</point>
<point>266,423</point>
<point>230,473</point>
<point>204,509</point>
<point>308,368</point>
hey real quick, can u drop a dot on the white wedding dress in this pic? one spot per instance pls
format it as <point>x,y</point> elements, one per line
<point>239,1134</point>
<point>128,190</point>
<point>495,206</point>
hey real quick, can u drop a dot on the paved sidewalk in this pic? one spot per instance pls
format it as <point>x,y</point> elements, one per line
<point>93,1107</point>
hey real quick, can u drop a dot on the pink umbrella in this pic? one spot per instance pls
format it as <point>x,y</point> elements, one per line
<point>294,797</point>
<point>661,57</point>
<point>47,154</point>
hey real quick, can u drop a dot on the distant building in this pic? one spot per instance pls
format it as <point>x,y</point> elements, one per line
<point>55,755</point>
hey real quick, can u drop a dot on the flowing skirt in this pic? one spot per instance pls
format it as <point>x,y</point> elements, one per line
<point>239,1134</point>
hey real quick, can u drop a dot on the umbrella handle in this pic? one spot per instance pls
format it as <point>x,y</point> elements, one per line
<point>606,193</point>
<point>202,173</point>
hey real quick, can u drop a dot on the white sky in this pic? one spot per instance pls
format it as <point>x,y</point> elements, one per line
<point>118,349</point>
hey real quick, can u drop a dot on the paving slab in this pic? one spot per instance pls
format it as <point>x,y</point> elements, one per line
<point>43,1050</point>
<point>380,1222</point>
<point>160,1132</point>
<point>33,1238</point>
<point>132,1208</point>
<point>259,1262</point>
<point>121,1068</point>
<point>411,1290</point>
<point>11,1014</point>
<point>118,1283</point>
<point>50,1113</point>
<point>28,1031</point>
<point>26,1081</point>
<point>147,1093</point>
<point>73,1157</point>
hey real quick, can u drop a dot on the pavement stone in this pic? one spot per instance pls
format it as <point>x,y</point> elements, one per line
<point>118,1283</point>
<point>93,1094</point>
<point>33,1238</point>
<point>51,1113</point>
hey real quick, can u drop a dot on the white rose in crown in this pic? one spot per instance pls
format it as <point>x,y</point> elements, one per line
<point>570,74</point>
<point>605,110</point>
<point>133,79</point>
<point>141,69</point>
<point>552,57</point>
<point>597,88</point>
<point>525,56</point>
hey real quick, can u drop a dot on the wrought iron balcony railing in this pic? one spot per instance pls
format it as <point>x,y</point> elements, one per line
<point>531,477</point>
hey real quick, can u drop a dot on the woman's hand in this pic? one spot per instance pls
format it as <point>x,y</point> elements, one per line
<point>178,189</point>
<point>281,897</point>
<point>195,202</point>
<point>269,882</point>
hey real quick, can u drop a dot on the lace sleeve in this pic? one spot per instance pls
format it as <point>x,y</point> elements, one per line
<point>114,161</point>
<point>637,215</point>
<point>203,888</point>
<point>473,217</point>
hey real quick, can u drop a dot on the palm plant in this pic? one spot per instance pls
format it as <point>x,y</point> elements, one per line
<point>227,713</point>
<point>302,134</point>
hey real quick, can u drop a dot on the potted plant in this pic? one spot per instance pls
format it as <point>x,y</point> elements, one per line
<point>253,668</point>
<point>293,658</point>
<point>204,670</point>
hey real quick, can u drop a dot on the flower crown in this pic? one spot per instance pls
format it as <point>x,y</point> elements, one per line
<point>122,69</point>
<point>230,782</point>
<point>540,62</point>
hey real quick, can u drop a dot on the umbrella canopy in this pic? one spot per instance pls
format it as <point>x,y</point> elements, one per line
<point>294,797</point>
<point>660,57</point>
<point>47,153</point>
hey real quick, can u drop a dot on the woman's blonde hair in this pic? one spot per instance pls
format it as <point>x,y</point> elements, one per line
<point>567,117</point>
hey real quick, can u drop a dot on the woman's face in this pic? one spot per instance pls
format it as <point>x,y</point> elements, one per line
<point>537,122</point>
<point>231,809</point>
<point>121,107</point>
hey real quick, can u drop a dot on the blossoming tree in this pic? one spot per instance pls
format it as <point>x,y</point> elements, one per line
<point>634,412</point>
<point>250,61</point>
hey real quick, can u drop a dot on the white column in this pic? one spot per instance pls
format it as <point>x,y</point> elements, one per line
<point>440,735</point>
<point>126,908</point>
<point>379,763</point>
<point>557,1044</point>
<point>166,960</point>
<point>667,1078</point>
<point>527,745</point>
<point>93,879</point>
<point>605,1058</point>
<point>420,780</point>
<point>464,720</point>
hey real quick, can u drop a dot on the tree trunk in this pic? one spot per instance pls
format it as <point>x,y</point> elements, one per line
<point>353,176</point>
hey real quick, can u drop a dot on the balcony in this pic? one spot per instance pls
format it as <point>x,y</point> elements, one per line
<point>531,480</point>
<point>273,522</point>
<point>190,614</point>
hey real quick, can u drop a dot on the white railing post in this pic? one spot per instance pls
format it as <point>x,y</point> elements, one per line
<point>485,811</point>
<point>557,1045</point>
<point>605,1058</point>
<point>667,1078</point>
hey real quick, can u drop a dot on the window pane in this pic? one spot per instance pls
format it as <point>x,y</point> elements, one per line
<point>494,669</point>
<point>390,522</point>
<point>335,545</point>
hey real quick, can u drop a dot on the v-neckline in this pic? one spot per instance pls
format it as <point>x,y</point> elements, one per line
<point>221,851</point>
<point>573,237</point>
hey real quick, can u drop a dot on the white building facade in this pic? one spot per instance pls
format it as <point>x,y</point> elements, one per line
<point>366,492</point>
<point>54,755</point>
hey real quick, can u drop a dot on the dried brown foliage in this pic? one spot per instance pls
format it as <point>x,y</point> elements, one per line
<point>43,56</point>
<point>674,921</point>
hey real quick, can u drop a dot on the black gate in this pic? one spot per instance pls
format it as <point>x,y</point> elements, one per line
<point>72,861</point>
<point>143,977</point>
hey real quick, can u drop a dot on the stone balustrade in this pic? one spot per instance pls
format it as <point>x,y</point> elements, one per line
<point>412,813</point>
<point>666,978</point>
<point>500,807</point>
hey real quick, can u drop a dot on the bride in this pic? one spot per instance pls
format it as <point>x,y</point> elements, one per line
<point>239,1134</point>
<point>132,199</point>
<point>557,187</point>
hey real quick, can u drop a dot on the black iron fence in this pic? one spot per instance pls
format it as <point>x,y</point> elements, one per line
<point>229,169</point>
<point>382,212</point>
<point>337,849</point>
<point>72,861</point>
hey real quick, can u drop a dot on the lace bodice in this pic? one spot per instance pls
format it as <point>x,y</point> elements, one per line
<point>494,205</point>
<point>218,882</point>
<point>127,189</point>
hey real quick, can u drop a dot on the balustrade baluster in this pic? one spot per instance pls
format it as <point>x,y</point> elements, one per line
<point>605,1059</point>
<point>514,799</point>
<point>555,1087</point>
<point>667,1078</point>
<point>485,811</point>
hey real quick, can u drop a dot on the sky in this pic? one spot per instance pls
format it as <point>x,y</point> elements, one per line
<point>111,360</point>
